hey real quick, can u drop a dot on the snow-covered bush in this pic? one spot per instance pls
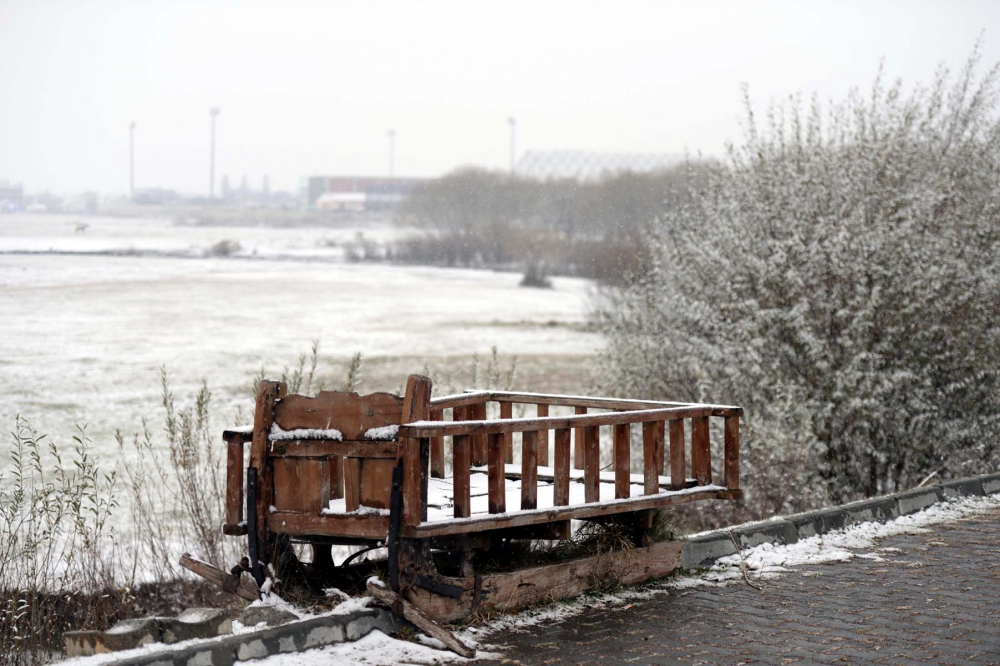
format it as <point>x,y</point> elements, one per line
<point>839,276</point>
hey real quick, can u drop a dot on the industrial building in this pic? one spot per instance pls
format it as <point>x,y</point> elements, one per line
<point>354,193</point>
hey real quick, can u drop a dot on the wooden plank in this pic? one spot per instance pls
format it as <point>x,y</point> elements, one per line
<point>352,484</point>
<point>579,443</point>
<point>461,462</point>
<point>562,454</point>
<point>529,470</point>
<point>267,394</point>
<point>651,481</point>
<point>300,484</point>
<point>460,400</point>
<point>416,407</point>
<point>622,455</point>
<point>325,448</point>
<point>480,522</point>
<point>507,413</point>
<point>497,481</point>
<point>732,453</point>
<point>246,589</point>
<point>350,413</point>
<point>433,428</point>
<point>678,471</point>
<point>478,413</point>
<point>437,448</point>
<point>368,526</point>
<point>592,464</point>
<point>603,403</point>
<point>661,444</point>
<point>376,482</point>
<point>701,452</point>
<point>335,472</point>
<point>234,482</point>
<point>393,601</point>
<point>542,411</point>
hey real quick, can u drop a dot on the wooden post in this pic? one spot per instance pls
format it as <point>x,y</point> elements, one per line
<point>497,487</point>
<point>234,483</point>
<point>416,407</point>
<point>578,444</point>
<point>529,469</point>
<point>732,444</point>
<point>507,412</point>
<point>661,444</point>
<point>650,475</point>
<point>267,393</point>
<point>678,473</point>
<point>461,459</point>
<point>562,455</point>
<point>543,438</point>
<point>352,483</point>
<point>437,448</point>
<point>701,452</point>
<point>478,413</point>
<point>592,464</point>
<point>622,453</point>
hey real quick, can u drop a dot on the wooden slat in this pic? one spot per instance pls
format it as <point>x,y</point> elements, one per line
<point>245,589</point>
<point>701,452</point>
<point>579,444</point>
<point>300,484</point>
<point>234,482</point>
<point>437,448</point>
<point>325,448</point>
<point>478,413</point>
<point>497,481</point>
<point>460,400</point>
<point>376,482</point>
<point>461,461</point>
<point>335,471</point>
<point>591,464</point>
<point>416,407</point>
<point>267,394</point>
<point>622,455</point>
<point>481,523</point>
<point>661,445</point>
<point>561,454</point>
<point>433,428</point>
<point>333,525</point>
<point>732,445</point>
<point>651,485</point>
<point>507,412</point>
<point>543,437</point>
<point>678,471</point>
<point>352,483</point>
<point>603,403</point>
<point>350,413</point>
<point>529,470</point>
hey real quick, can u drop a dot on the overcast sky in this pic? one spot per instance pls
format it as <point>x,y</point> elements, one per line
<point>307,88</point>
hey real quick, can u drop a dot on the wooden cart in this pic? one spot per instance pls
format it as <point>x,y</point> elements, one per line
<point>341,468</point>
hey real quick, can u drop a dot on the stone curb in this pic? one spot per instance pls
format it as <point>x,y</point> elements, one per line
<point>286,638</point>
<point>705,549</point>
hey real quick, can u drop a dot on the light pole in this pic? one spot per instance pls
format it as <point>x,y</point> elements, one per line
<point>211,163</point>
<point>512,121</point>
<point>131,161</point>
<point>392,152</point>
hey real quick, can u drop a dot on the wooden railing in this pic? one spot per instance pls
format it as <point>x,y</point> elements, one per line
<point>477,441</point>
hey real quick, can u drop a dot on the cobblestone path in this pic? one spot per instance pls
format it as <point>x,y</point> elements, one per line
<point>935,601</point>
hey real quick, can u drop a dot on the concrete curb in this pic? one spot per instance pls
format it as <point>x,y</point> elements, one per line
<point>291,637</point>
<point>705,549</point>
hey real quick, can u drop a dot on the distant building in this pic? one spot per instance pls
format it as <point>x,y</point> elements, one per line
<point>589,166</point>
<point>357,193</point>
<point>11,196</point>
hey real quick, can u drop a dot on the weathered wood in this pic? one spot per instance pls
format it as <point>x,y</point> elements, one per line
<point>300,484</point>
<point>350,413</point>
<point>365,526</point>
<point>529,470</point>
<point>622,454</point>
<point>661,444</point>
<point>651,481</point>
<point>335,472</point>
<point>393,601</point>
<point>461,462</point>
<point>324,448</point>
<point>562,455</point>
<point>234,483</point>
<point>579,442</point>
<point>599,403</point>
<point>240,436</point>
<point>497,481</point>
<point>246,589</point>
<point>506,413</point>
<point>352,484</point>
<point>592,464</point>
<point>477,412</point>
<point>732,453</point>
<point>460,400</point>
<point>267,394</point>
<point>437,448</point>
<point>678,473</point>
<point>701,452</point>
<point>485,522</point>
<point>376,482</point>
<point>433,429</point>
<point>416,407</point>
<point>542,411</point>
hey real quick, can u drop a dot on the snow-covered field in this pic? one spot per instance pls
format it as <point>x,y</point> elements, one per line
<point>82,336</point>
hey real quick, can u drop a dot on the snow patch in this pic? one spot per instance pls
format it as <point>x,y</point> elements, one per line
<point>385,432</point>
<point>277,434</point>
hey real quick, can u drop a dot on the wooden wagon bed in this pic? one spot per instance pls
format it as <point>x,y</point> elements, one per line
<point>341,468</point>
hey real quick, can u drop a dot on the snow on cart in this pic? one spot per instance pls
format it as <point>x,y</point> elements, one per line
<point>374,471</point>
